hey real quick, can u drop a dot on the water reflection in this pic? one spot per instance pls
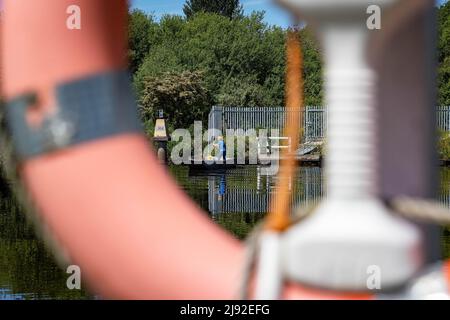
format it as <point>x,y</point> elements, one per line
<point>238,198</point>
<point>249,191</point>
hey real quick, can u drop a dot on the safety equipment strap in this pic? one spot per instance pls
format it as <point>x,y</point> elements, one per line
<point>88,109</point>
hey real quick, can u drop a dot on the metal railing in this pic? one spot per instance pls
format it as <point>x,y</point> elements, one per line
<point>245,118</point>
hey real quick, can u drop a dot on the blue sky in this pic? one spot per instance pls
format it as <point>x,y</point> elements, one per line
<point>274,15</point>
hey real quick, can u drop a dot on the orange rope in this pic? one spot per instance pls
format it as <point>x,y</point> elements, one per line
<point>278,218</point>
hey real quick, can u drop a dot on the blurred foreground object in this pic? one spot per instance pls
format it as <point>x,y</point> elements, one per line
<point>269,276</point>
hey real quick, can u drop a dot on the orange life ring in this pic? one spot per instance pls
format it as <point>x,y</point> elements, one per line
<point>121,218</point>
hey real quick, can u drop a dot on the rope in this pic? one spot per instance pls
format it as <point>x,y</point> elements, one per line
<point>278,218</point>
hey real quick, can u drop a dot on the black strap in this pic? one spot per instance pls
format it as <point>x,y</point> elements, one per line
<point>96,107</point>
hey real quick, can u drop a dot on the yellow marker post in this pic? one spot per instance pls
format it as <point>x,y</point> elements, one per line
<point>160,136</point>
<point>160,131</point>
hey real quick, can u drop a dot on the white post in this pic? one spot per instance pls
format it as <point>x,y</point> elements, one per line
<point>350,88</point>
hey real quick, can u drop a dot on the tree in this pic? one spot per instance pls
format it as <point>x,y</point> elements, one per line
<point>444,54</point>
<point>182,97</point>
<point>242,60</point>
<point>228,8</point>
<point>244,54</point>
<point>312,68</point>
<point>166,49</point>
<point>141,30</point>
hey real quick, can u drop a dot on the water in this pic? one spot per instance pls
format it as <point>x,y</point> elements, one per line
<point>236,200</point>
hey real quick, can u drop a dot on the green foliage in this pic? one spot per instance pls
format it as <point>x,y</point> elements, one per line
<point>444,54</point>
<point>141,34</point>
<point>165,54</point>
<point>312,69</point>
<point>182,96</point>
<point>242,61</point>
<point>245,91</point>
<point>228,8</point>
<point>244,51</point>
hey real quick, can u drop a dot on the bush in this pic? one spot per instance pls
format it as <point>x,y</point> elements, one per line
<point>182,97</point>
<point>444,145</point>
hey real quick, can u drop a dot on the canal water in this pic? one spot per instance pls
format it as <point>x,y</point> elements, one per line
<point>235,200</point>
